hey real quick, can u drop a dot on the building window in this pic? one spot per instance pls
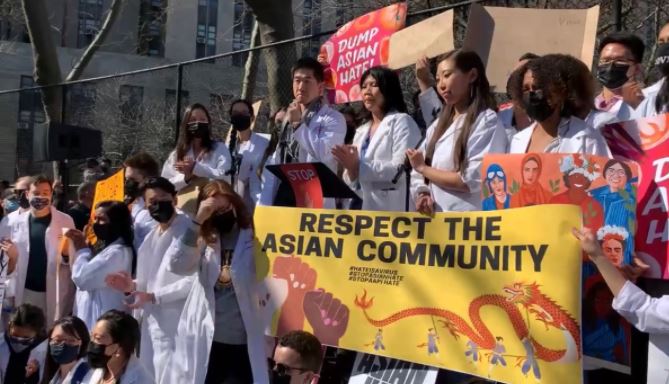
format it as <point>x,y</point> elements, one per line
<point>242,31</point>
<point>207,24</point>
<point>31,113</point>
<point>152,19</point>
<point>130,104</point>
<point>90,16</point>
<point>311,25</point>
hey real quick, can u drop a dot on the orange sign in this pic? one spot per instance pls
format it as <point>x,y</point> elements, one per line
<point>108,189</point>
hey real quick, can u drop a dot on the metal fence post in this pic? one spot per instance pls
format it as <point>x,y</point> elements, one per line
<point>617,14</point>
<point>177,113</point>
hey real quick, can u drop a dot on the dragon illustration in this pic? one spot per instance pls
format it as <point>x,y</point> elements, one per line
<point>528,296</point>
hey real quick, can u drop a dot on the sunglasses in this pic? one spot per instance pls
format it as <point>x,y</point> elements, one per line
<point>284,370</point>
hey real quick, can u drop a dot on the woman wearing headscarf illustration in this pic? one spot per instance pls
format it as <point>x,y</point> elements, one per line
<point>531,192</point>
<point>499,197</point>
<point>578,173</point>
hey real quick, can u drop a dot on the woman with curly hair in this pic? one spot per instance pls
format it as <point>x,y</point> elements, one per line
<point>548,97</point>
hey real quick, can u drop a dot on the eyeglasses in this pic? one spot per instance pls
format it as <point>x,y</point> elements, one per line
<point>284,370</point>
<point>615,172</point>
<point>68,341</point>
<point>499,174</point>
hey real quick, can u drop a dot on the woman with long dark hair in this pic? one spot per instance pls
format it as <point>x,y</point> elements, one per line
<point>221,310</point>
<point>446,169</point>
<point>66,361</point>
<point>379,146</point>
<point>113,228</point>
<point>197,154</point>
<point>550,99</point>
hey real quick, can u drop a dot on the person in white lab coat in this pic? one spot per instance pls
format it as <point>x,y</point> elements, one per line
<point>111,351</point>
<point>42,273</point>
<point>548,100</point>
<point>657,99</point>
<point>113,228</point>
<point>221,313</point>
<point>249,148</point>
<point>138,168</point>
<point>23,346</point>
<point>619,71</point>
<point>446,169</point>
<point>160,293</point>
<point>197,154</point>
<point>314,126</point>
<point>379,146</point>
<point>66,360</point>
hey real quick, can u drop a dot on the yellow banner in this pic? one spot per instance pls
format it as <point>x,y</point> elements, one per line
<point>492,294</point>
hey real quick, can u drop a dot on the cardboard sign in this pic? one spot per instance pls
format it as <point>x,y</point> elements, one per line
<point>501,35</point>
<point>463,291</point>
<point>256,111</point>
<point>605,191</point>
<point>360,44</point>
<point>431,37</point>
<point>646,141</point>
<point>372,369</point>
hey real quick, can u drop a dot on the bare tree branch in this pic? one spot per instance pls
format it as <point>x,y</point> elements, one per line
<point>114,10</point>
<point>251,66</point>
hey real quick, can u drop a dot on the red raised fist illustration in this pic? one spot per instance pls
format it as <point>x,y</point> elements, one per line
<point>327,315</point>
<point>301,279</point>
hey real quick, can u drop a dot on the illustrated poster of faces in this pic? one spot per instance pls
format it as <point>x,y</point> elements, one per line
<point>606,190</point>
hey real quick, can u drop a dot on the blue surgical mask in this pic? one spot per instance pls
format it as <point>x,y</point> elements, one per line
<point>10,206</point>
<point>20,344</point>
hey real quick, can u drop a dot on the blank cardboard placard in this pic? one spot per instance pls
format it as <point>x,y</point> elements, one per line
<point>431,37</point>
<point>501,35</point>
<point>256,110</point>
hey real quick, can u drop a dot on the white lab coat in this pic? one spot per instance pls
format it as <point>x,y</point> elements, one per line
<point>38,354</point>
<point>134,373</point>
<point>653,89</point>
<point>487,136</point>
<point>68,378</point>
<point>94,297</point>
<point>647,314</point>
<point>10,283</point>
<point>59,287</point>
<point>196,326</point>
<point>647,106</point>
<point>430,105</point>
<point>248,184</point>
<point>160,321</point>
<point>386,152</point>
<point>620,109</point>
<point>212,165</point>
<point>598,119</point>
<point>142,222</point>
<point>574,136</point>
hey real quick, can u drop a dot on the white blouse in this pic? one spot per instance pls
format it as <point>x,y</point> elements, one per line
<point>487,136</point>
<point>212,165</point>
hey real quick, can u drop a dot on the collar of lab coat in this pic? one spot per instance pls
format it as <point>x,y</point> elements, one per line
<point>382,130</point>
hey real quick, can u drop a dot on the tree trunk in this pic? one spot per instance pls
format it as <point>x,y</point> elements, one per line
<point>251,66</point>
<point>112,14</point>
<point>45,56</point>
<point>275,22</point>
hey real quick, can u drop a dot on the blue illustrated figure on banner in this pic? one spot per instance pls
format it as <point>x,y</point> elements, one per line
<point>499,197</point>
<point>618,198</point>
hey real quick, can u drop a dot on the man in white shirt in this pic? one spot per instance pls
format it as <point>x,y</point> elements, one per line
<point>315,126</point>
<point>138,168</point>
<point>618,71</point>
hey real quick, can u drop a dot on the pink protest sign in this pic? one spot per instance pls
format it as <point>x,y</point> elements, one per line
<point>646,141</point>
<point>357,46</point>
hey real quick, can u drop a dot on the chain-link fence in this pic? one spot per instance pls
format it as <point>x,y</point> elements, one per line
<point>138,111</point>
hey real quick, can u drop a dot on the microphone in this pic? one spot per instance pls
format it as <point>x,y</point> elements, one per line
<point>406,166</point>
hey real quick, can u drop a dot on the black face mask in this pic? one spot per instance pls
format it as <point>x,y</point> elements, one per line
<point>96,355</point>
<point>23,200</point>
<point>662,58</point>
<point>224,222</point>
<point>104,232</point>
<point>612,75</point>
<point>161,211</point>
<point>131,189</point>
<point>280,379</point>
<point>198,130</point>
<point>240,122</point>
<point>536,106</point>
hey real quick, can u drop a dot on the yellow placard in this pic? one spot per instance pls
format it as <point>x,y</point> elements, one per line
<point>492,294</point>
<point>108,189</point>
